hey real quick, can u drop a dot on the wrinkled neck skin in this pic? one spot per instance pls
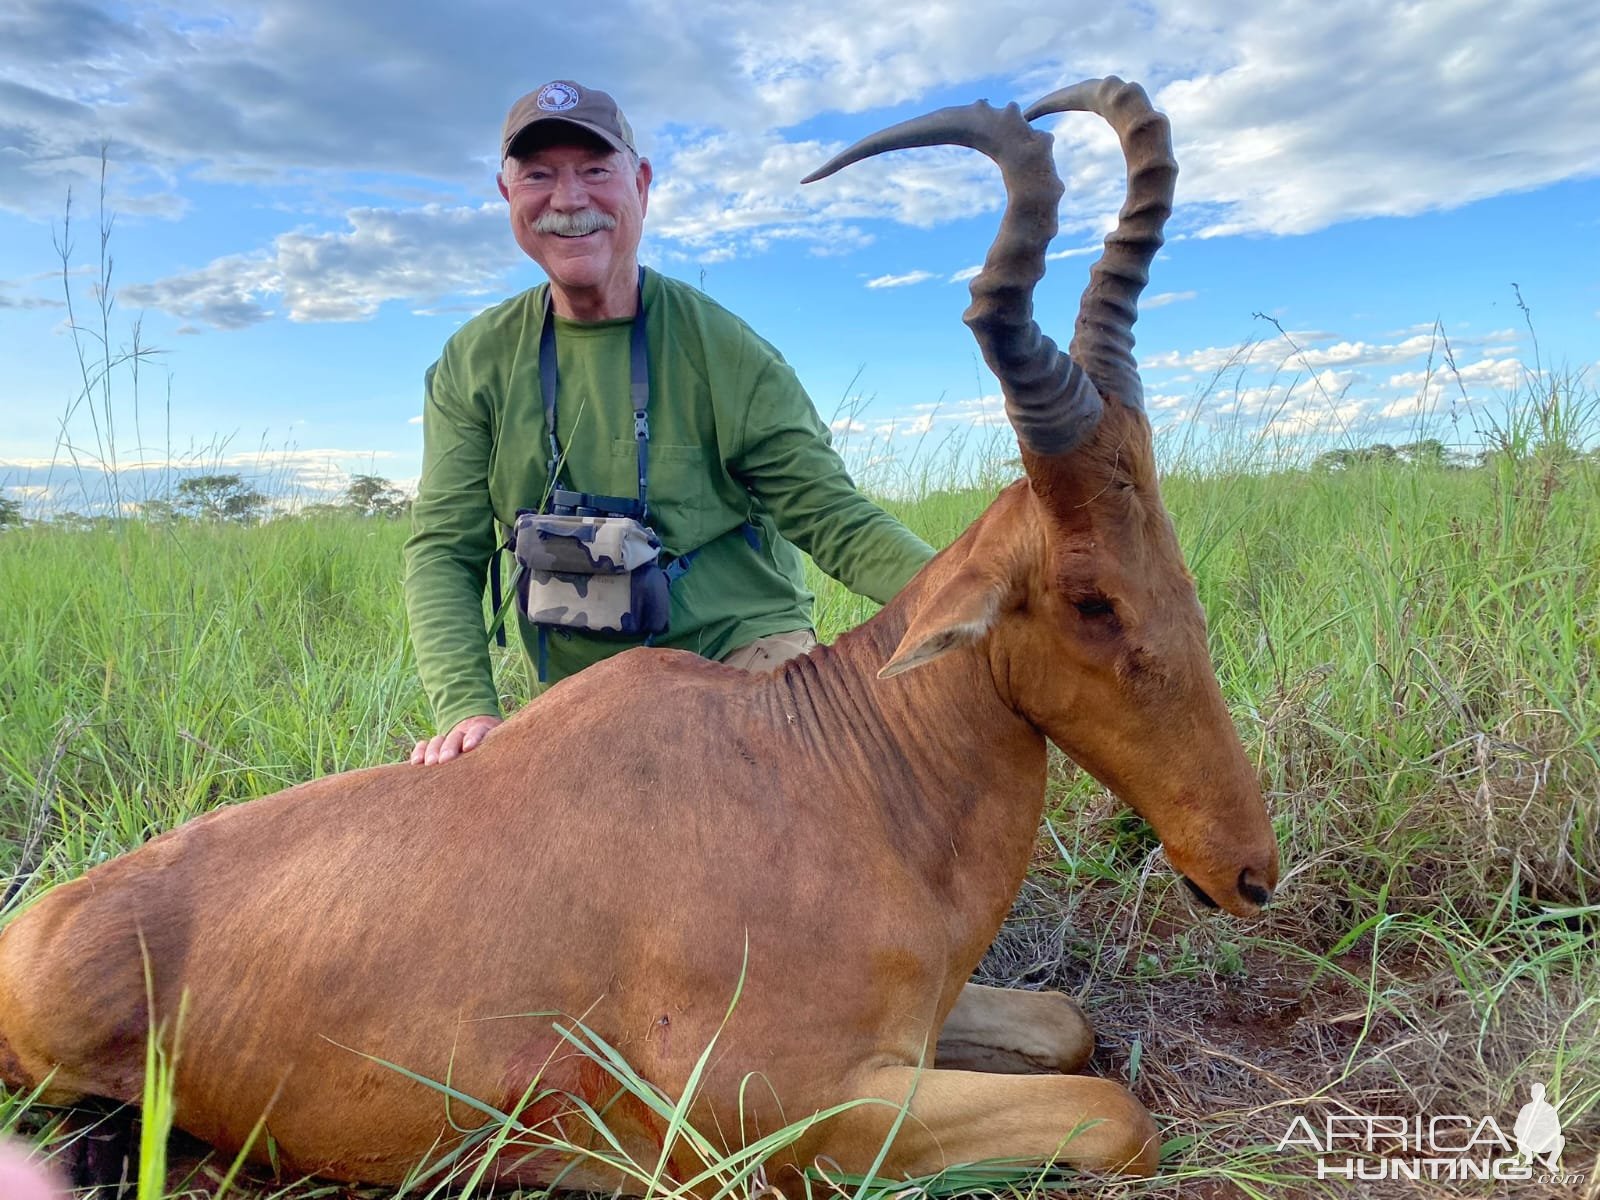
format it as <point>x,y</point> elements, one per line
<point>953,771</point>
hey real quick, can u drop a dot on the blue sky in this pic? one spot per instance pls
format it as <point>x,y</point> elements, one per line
<point>305,207</point>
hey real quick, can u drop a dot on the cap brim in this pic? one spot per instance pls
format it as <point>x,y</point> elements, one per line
<point>593,131</point>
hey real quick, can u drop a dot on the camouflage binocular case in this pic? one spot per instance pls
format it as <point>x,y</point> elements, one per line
<point>601,573</point>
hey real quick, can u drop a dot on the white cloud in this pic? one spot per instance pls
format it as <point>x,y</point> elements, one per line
<point>1304,354</point>
<point>1427,114</point>
<point>1162,299</point>
<point>1501,374</point>
<point>1321,390</point>
<point>1352,353</point>
<point>27,302</point>
<point>1405,408</point>
<point>915,425</point>
<point>1326,419</point>
<point>985,411</point>
<point>967,273</point>
<point>978,412</point>
<point>1261,146</point>
<point>733,192</point>
<point>1208,360</point>
<point>894,281</point>
<point>1071,252</point>
<point>1286,118</point>
<point>1424,327</point>
<point>384,254</point>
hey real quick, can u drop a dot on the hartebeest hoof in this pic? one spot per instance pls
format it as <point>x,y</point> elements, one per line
<point>1012,1032</point>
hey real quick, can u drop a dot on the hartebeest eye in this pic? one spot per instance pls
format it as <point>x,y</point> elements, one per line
<point>1096,607</point>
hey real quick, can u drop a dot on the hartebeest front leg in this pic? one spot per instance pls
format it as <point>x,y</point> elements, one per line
<point>956,1117</point>
<point>1014,1032</point>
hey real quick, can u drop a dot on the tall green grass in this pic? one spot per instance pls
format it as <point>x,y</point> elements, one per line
<point>1410,652</point>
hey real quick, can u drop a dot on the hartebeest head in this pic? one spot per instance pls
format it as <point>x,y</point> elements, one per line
<point>1081,599</point>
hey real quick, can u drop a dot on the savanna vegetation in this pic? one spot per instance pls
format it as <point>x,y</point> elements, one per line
<point>1409,643</point>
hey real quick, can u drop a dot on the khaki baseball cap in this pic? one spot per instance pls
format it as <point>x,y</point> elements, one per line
<point>568,103</point>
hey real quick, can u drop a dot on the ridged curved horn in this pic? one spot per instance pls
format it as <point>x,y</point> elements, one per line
<point>1102,341</point>
<point>1050,402</point>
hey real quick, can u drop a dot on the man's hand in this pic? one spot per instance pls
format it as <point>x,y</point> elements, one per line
<point>445,746</point>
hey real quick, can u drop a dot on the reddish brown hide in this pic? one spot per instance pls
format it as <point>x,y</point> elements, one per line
<point>846,835</point>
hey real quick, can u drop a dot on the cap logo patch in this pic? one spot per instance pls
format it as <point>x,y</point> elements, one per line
<point>557,97</point>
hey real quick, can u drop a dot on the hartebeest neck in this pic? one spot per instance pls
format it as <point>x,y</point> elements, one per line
<point>954,773</point>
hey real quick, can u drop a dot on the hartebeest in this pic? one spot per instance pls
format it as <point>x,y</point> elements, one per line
<point>846,834</point>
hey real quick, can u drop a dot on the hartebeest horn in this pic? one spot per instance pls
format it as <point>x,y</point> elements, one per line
<point>1051,402</point>
<point>1102,341</point>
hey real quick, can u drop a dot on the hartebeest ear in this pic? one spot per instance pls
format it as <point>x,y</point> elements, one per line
<point>958,614</point>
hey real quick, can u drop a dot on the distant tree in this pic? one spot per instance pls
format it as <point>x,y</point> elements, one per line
<point>1428,452</point>
<point>10,511</point>
<point>77,522</point>
<point>1353,456</point>
<point>375,496</point>
<point>1334,460</point>
<point>158,510</point>
<point>217,498</point>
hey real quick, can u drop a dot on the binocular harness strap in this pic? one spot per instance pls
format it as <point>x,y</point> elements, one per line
<point>549,384</point>
<point>639,390</point>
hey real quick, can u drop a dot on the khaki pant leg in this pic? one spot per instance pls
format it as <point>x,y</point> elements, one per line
<point>768,653</point>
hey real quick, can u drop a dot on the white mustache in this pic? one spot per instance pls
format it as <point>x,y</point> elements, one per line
<point>574,224</point>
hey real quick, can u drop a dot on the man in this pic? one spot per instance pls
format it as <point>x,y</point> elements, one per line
<point>740,469</point>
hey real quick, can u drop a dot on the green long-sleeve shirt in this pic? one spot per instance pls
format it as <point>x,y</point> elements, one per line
<point>733,439</point>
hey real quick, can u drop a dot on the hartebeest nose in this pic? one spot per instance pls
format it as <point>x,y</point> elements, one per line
<point>1252,887</point>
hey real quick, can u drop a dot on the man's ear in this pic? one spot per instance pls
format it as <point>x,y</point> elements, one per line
<point>960,613</point>
<point>642,180</point>
<point>500,182</point>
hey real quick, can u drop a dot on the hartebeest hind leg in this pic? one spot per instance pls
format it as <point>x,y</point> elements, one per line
<point>1088,1123</point>
<point>1014,1032</point>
